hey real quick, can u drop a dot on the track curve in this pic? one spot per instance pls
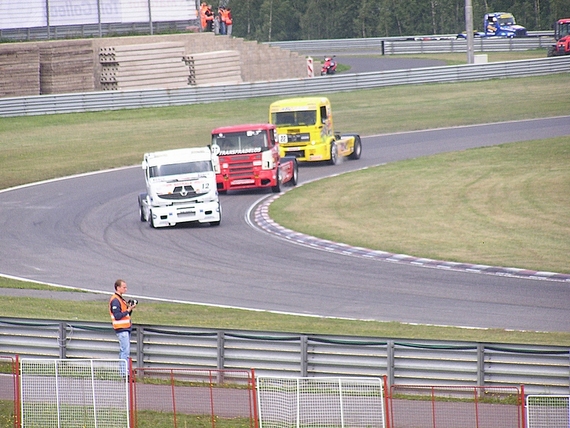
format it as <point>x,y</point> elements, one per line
<point>85,232</point>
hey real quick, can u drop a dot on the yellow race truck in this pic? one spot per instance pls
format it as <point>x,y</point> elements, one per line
<point>305,130</point>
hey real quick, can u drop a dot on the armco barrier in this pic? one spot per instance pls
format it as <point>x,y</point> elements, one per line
<point>419,45</point>
<point>114,100</point>
<point>542,369</point>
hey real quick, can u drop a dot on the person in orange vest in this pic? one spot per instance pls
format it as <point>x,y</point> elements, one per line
<point>203,22</point>
<point>229,21</point>
<point>121,311</point>
<point>209,18</point>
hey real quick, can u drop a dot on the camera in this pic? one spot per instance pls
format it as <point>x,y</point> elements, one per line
<point>132,302</point>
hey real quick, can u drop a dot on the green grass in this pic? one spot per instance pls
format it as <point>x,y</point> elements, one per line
<point>508,204</point>
<point>145,419</point>
<point>43,147</point>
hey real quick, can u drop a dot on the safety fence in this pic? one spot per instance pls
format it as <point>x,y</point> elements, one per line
<point>413,46</point>
<point>182,397</point>
<point>321,402</point>
<point>66,393</point>
<point>9,391</point>
<point>542,369</point>
<point>56,393</point>
<point>114,100</point>
<point>548,411</point>
<point>456,406</point>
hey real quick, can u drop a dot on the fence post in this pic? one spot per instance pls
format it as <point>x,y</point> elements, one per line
<point>221,350</point>
<point>140,346</point>
<point>61,339</point>
<point>150,17</point>
<point>304,357</point>
<point>47,19</point>
<point>480,364</point>
<point>390,362</point>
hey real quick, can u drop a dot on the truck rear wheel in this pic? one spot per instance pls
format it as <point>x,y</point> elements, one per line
<point>357,150</point>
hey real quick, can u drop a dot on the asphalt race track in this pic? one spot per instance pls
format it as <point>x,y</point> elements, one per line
<point>85,232</point>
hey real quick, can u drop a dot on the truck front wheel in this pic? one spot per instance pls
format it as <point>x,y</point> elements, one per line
<point>333,154</point>
<point>277,187</point>
<point>295,177</point>
<point>141,208</point>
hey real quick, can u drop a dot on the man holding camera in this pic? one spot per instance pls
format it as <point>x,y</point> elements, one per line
<point>120,310</point>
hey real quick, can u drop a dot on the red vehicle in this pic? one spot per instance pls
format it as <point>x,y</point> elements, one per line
<point>562,37</point>
<point>329,66</point>
<point>249,158</point>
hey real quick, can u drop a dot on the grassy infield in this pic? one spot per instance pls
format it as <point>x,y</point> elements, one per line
<point>506,205</point>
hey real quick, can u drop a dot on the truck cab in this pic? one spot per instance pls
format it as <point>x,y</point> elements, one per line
<point>249,158</point>
<point>180,187</point>
<point>502,24</point>
<point>562,37</point>
<point>305,130</point>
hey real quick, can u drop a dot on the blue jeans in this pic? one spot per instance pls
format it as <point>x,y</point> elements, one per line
<point>124,348</point>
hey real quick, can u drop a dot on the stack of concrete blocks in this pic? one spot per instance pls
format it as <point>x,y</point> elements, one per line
<point>19,70</point>
<point>141,66</point>
<point>66,66</point>
<point>140,62</point>
<point>264,62</point>
<point>211,68</point>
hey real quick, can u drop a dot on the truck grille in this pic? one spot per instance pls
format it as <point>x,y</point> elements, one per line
<point>241,166</point>
<point>297,138</point>
<point>180,192</point>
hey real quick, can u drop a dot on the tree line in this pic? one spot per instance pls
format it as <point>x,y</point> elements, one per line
<point>275,20</point>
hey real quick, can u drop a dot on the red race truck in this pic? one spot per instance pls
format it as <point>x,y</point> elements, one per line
<point>249,158</point>
<point>562,37</point>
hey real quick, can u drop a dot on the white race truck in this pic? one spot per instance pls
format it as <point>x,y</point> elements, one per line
<point>180,187</point>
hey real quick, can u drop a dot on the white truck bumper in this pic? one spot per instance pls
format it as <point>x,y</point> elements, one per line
<point>207,212</point>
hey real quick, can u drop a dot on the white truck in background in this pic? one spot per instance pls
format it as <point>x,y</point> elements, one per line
<point>180,187</point>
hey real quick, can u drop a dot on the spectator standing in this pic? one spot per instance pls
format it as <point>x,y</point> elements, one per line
<point>203,22</point>
<point>121,311</point>
<point>217,23</point>
<point>229,21</point>
<point>209,18</point>
<point>222,15</point>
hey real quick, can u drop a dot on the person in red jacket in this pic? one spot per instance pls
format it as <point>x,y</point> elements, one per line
<point>229,21</point>
<point>120,311</point>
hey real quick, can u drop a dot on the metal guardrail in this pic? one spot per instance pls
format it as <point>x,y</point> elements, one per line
<point>421,45</point>
<point>542,369</point>
<point>114,100</point>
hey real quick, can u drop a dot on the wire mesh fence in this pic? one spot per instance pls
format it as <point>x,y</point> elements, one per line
<point>321,402</point>
<point>73,393</point>
<point>548,411</point>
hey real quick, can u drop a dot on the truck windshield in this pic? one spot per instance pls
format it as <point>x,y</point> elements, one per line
<point>241,140</point>
<point>509,20</point>
<point>180,168</point>
<point>562,29</point>
<point>294,118</point>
